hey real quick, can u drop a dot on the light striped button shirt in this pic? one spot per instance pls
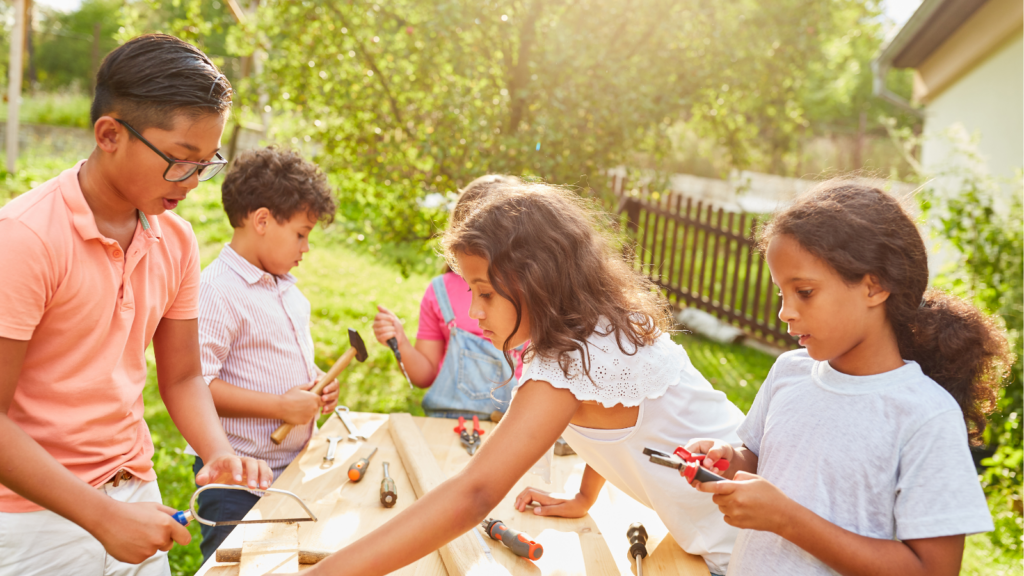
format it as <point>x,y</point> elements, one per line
<point>254,334</point>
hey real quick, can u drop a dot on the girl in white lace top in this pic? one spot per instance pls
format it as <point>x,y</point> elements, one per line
<point>601,371</point>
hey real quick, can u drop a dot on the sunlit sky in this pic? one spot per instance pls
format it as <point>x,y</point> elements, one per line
<point>898,10</point>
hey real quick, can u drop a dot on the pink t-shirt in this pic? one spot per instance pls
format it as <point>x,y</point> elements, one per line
<point>432,324</point>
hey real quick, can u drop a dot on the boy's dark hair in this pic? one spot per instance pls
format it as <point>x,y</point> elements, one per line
<point>861,231</point>
<point>151,79</point>
<point>279,180</point>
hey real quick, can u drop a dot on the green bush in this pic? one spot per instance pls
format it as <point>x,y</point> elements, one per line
<point>981,217</point>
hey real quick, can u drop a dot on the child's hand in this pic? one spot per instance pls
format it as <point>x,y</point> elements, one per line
<point>750,502</point>
<point>132,532</point>
<point>299,405</point>
<point>232,469</point>
<point>553,504</point>
<point>329,397</point>
<point>715,450</point>
<point>386,326</point>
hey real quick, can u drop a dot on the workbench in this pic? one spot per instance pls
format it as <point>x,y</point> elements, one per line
<point>594,545</point>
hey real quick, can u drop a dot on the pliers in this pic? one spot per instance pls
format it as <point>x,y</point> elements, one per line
<point>687,463</point>
<point>470,439</point>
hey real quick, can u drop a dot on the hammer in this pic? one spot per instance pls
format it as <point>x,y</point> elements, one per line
<point>356,349</point>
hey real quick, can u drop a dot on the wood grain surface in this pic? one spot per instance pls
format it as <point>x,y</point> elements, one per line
<point>594,545</point>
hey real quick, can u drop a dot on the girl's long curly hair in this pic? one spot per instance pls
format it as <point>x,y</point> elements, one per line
<point>860,231</point>
<point>552,252</point>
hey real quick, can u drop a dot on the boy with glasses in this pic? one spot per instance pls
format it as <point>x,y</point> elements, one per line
<point>96,269</point>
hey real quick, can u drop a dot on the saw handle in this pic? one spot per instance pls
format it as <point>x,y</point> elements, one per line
<point>284,429</point>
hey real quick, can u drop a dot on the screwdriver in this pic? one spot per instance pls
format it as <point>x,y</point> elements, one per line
<point>518,542</point>
<point>388,492</point>
<point>358,469</point>
<point>637,535</point>
<point>393,344</point>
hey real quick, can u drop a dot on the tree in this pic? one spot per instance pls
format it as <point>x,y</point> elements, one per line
<point>401,99</point>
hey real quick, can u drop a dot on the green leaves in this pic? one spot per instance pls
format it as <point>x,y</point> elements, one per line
<point>414,98</point>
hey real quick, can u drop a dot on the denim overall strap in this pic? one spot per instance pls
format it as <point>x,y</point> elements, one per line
<point>441,293</point>
<point>471,369</point>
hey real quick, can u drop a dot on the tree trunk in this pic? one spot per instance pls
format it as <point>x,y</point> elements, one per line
<point>519,76</point>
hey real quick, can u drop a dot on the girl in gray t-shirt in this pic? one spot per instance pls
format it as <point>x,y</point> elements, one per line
<point>858,441</point>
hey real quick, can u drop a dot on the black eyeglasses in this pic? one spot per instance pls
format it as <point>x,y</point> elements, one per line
<point>179,170</point>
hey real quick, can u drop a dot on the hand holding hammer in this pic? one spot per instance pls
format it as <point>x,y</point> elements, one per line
<point>356,350</point>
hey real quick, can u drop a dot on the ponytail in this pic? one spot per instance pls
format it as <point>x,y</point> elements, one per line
<point>861,231</point>
<point>963,350</point>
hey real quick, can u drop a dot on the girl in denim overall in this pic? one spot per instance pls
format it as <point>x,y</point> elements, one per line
<point>473,371</point>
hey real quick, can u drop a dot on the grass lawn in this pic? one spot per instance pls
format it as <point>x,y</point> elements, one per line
<point>344,284</point>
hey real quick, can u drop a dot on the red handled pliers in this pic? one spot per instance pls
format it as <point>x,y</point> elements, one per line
<point>687,463</point>
<point>470,439</point>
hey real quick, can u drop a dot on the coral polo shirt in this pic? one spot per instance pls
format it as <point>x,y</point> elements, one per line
<point>88,310</point>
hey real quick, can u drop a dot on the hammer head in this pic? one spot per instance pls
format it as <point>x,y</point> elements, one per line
<point>356,342</point>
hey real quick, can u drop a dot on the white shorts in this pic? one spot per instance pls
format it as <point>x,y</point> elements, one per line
<point>45,543</point>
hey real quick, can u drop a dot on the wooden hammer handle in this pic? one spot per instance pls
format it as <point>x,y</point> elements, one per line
<point>284,429</point>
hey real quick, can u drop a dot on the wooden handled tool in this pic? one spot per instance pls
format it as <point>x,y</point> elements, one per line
<point>357,350</point>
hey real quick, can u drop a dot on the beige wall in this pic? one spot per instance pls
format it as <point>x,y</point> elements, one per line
<point>988,101</point>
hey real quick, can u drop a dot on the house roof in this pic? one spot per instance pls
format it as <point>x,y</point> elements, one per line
<point>929,26</point>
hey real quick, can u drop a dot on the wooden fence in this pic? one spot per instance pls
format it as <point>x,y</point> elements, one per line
<point>705,257</point>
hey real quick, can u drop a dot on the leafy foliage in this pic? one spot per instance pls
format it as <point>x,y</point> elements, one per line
<point>407,98</point>
<point>981,217</point>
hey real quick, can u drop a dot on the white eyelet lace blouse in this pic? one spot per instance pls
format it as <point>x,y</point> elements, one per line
<point>676,404</point>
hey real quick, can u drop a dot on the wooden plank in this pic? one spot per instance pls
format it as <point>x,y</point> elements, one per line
<point>269,548</point>
<point>463,555</point>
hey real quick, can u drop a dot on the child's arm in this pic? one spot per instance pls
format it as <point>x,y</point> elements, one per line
<point>129,532</point>
<point>421,361</point>
<point>188,401</point>
<point>297,406</point>
<point>555,505</point>
<point>753,503</point>
<point>536,418</point>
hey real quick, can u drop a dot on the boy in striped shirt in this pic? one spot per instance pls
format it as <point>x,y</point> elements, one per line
<point>255,344</point>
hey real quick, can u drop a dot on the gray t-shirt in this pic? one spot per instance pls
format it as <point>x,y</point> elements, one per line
<point>885,456</point>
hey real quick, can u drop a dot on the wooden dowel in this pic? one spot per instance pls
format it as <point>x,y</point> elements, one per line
<point>305,556</point>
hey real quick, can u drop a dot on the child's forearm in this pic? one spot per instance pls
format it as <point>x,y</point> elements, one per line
<point>851,554</point>
<point>235,402</point>
<point>742,459</point>
<point>421,360</point>
<point>591,485</point>
<point>31,472</point>
<point>192,409</point>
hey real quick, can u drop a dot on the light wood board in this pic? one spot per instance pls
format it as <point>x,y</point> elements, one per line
<point>594,545</point>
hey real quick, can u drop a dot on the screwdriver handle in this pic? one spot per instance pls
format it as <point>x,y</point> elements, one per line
<point>637,535</point>
<point>518,542</point>
<point>393,344</point>
<point>388,491</point>
<point>358,469</point>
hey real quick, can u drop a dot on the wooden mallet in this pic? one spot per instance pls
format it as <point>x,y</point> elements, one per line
<point>356,350</point>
